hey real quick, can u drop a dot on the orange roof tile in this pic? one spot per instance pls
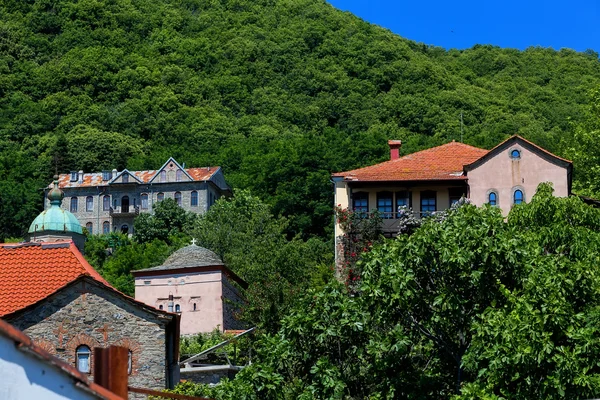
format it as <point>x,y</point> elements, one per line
<point>29,272</point>
<point>95,178</point>
<point>443,162</point>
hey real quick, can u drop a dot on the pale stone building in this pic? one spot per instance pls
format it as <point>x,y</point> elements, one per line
<point>109,201</point>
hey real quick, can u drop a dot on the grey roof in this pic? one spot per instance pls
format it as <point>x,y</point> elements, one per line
<point>189,257</point>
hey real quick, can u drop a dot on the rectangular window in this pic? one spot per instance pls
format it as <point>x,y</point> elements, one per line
<point>74,176</point>
<point>455,195</point>
<point>106,203</point>
<point>106,175</point>
<point>89,204</point>
<point>384,205</point>
<point>403,201</point>
<point>144,201</point>
<point>360,202</point>
<point>428,202</point>
<point>73,208</point>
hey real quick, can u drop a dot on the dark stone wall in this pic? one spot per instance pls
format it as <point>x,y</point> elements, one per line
<point>87,314</point>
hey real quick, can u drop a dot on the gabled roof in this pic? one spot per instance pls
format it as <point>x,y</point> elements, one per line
<point>125,171</point>
<point>443,162</point>
<point>93,179</point>
<point>545,154</point>
<point>26,345</point>
<point>171,159</point>
<point>30,272</point>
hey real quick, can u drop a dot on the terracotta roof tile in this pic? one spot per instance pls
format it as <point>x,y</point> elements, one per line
<point>95,178</point>
<point>443,162</point>
<point>29,272</point>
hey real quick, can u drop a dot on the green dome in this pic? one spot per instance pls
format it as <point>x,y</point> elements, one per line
<point>55,218</point>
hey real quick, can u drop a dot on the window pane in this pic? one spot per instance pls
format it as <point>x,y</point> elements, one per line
<point>384,205</point>
<point>89,203</point>
<point>163,176</point>
<point>428,202</point>
<point>492,199</point>
<point>82,355</point>
<point>106,203</point>
<point>73,204</point>
<point>179,175</point>
<point>360,202</point>
<point>90,227</point>
<point>160,197</point>
<point>144,199</point>
<point>178,198</point>
<point>518,197</point>
<point>106,227</point>
<point>194,199</point>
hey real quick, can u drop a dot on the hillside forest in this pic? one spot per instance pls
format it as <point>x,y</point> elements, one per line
<point>280,94</point>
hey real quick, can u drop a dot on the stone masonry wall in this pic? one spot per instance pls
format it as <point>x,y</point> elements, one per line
<point>231,306</point>
<point>85,314</point>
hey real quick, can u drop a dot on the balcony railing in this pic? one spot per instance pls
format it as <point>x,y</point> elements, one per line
<point>124,211</point>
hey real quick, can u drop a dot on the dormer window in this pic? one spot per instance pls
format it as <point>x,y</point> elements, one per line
<point>106,175</point>
<point>74,176</point>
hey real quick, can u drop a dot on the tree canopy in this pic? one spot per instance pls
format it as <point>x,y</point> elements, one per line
<point>280,93</point>
<point>470,306</point>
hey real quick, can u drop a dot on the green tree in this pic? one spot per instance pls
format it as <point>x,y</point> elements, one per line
<point>252,242</point>
<point>168,223</point>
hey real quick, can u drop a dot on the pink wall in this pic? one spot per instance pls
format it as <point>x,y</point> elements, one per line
<point>504,175</point>
<point>202,288</point>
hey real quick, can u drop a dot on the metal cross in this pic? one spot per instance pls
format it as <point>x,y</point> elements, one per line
<point>194,241</point>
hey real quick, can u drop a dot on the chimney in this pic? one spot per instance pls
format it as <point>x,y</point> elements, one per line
<point>394,149</point>
<point>80,176</point>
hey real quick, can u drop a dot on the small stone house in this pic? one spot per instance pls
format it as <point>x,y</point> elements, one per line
<point>195,283</point>
<point>109,201</point>
<point>29,372</point>
<point>51,293</point>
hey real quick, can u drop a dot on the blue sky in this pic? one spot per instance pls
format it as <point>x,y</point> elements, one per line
<point>461,24</point>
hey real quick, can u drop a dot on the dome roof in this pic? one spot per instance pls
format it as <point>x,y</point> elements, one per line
<point>55,218</point>
<point>192,256</point>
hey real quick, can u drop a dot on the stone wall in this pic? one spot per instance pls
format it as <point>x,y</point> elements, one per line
<point>87,314</point>
<point>231,306</point>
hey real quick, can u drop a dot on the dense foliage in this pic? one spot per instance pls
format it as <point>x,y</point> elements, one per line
<point>468,307</point>
<point>278,92</point>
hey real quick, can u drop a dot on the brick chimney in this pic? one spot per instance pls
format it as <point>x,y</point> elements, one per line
<point>394,149</point>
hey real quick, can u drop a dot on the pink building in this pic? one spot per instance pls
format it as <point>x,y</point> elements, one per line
<point>194,283</point>
<point>432,180</point>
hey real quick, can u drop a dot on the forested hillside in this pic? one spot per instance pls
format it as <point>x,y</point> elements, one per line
<point>280,93</point>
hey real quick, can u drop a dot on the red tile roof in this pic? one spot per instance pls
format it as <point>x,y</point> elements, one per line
<point>29,272</point>
<point>443,162</point>
<point>25,344</point>
<point>95,178</point>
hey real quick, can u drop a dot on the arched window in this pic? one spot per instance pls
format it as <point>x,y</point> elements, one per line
<point>178,198</point>
<point>179,175</point>
<point>493,199</point>
<point>124,229</point>
<point>144,199</point>
<point>163,176</point>
<point>160,197</point>
<point>518,196</point>
<point>73,204</point>
<point>160,307</point>
<point>90,228</point>
<point>82,359</point>
<point>177,308</point>
<point>106,203</point>
<point>89,204</point>
<point>106,227</point>
<point>125,178</point>
<point>194,199</point>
